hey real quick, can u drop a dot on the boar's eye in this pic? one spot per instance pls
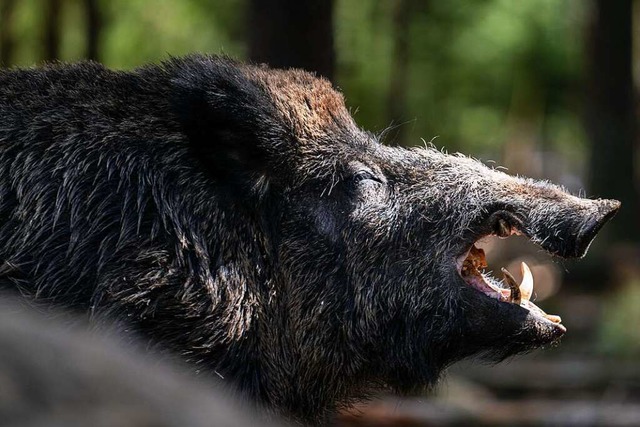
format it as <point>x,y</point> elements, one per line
<point>368,187</point>
<point>365,175</point>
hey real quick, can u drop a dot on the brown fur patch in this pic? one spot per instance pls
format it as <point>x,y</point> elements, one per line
<point>306,103</point>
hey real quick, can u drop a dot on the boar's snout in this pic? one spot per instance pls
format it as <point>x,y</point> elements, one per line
<point>603,211</point>
<point>567,226</point>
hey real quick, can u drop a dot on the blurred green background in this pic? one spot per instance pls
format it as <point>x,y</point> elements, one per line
<point>545,88</point>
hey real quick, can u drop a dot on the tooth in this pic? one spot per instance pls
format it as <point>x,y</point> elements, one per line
<point>553,318</point>
<point>513,285</point>
<point>526,287</point>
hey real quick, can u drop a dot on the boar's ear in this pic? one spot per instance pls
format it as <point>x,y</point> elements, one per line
<point>229,119</point>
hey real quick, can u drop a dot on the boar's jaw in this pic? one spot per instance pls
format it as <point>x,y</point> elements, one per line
<point>568,236</point>
<point>471,267</point>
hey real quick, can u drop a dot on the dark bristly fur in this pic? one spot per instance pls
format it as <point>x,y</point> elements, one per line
<point>235,215</point>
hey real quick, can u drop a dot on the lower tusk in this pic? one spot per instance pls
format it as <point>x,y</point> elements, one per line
<point>526,287</point>
<point>515,297</point>
<point>553,318</point>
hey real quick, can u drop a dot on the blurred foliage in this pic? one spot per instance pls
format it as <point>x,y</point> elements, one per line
<point>135,32</point>
<point>472,65</point>
<point>139,32</point>
<point>619,332</point>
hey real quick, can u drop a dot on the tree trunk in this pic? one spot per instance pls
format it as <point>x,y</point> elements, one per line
<point>52,30</point>
<point>7,42</point>
<point>292,33</point>
<point>94,28</point>
<point>397,95</point>
<point>610,116</point>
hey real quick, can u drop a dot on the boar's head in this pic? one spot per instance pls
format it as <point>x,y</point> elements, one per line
<point>370,249</point>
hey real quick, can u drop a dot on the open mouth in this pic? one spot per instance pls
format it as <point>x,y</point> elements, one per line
<point>565,234</point>
<point>472,268</point>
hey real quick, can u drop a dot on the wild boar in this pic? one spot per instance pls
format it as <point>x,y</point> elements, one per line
<point>237,216</point>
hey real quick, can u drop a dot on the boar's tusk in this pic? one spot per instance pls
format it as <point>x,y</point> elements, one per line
<point>526,287</point>
<point>513,285</point>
